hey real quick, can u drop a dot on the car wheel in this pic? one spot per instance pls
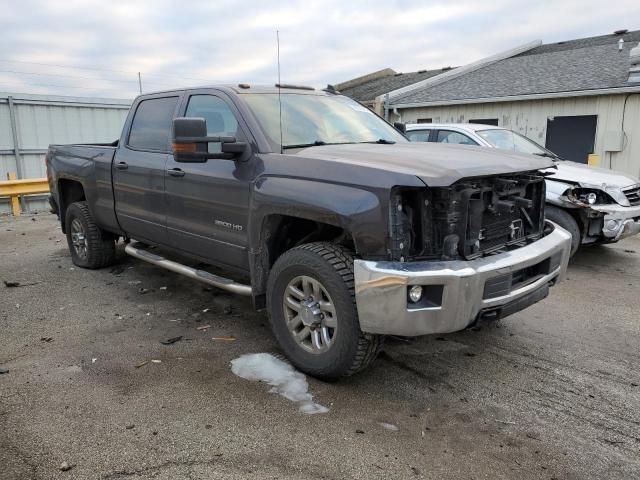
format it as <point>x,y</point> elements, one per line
<point>313,314</point>
<point>90,246</point>
<point>566,221</point>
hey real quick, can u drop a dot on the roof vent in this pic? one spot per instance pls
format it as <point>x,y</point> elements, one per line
<point>620,32</point>
<point>634,65</point>
<point>444,69</point>
<point>422,71</point>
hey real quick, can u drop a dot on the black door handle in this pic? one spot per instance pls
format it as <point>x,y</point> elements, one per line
<point>175,172</point>
<point>121,165</point>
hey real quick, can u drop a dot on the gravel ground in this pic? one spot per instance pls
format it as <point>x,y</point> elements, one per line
<point>551,392</point>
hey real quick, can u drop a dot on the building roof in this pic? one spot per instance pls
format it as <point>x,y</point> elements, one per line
<point>368,90</point>
<point>578,65</point>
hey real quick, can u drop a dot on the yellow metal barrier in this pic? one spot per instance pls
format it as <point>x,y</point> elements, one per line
<point>13,189</point>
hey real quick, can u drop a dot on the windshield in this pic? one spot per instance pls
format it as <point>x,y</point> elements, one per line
<point>508,140</point>
<point>318,120</point>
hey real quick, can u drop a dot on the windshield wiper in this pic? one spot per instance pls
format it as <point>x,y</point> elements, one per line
<point>549,155</point>
<point>318,143</point>
<point>382,141</point>
<point>304,145</point>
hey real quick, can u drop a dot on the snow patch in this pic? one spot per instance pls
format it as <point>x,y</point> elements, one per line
<point>285,380</point>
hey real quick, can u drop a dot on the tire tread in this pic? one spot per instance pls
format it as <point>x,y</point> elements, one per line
<point>101,250</point>
<point>341,259</point>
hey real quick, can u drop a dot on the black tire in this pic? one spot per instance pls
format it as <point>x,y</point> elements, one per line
<point>99,246</point>
<point>566,221</point>
<point>332,266</point>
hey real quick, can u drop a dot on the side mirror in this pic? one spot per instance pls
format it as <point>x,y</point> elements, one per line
<point>401,127</point>
<point>192,145</point>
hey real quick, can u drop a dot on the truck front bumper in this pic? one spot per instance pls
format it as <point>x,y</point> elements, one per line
<point>456,293</point>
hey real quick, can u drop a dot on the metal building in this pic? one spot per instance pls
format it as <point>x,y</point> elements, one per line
<point>29,123</point>
<point>579,98</point>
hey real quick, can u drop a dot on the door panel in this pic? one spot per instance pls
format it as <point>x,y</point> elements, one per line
<point>572,138</point>
<point>208,207</point>
<point>139,170</point>
<point>139,194</point>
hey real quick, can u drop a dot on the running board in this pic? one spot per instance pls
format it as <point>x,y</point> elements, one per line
<point>200,275</point>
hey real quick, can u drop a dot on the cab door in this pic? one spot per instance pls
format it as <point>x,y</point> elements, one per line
<point>139,169</point>
<point>208,203</point>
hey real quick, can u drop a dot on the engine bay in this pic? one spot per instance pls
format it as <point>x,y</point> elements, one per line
<point>472,218</point>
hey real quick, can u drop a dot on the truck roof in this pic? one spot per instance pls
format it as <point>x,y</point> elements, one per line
<point>241,88</point>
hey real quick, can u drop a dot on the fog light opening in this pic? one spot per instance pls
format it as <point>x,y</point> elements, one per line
<point>612,224</point>
<point>415,293</point>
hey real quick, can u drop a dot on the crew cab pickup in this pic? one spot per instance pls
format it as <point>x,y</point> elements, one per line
<point>322,212</point>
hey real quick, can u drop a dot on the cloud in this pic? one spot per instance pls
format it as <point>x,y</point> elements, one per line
<point>183,43</point>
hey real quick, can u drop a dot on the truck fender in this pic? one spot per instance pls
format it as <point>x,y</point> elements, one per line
<point>358,212</point>
<point>355,210</point>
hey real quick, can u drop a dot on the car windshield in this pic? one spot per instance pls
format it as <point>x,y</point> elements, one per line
<point>318,120</point>
<point>509,140</point>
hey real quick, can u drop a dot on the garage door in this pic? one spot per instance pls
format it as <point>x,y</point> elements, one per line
<point>572,138</point>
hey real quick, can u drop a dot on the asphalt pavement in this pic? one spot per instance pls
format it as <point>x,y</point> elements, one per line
<point>551,392</point>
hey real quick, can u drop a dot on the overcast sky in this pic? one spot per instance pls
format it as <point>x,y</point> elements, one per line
<point>178,43</point>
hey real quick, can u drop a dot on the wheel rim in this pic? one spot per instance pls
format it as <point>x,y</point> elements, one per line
<point>310,314</point>
<point>79,238</point>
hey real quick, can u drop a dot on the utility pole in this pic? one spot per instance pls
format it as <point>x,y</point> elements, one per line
<point>140,82</point>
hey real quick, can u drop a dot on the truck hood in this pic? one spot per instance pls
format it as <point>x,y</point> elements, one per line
<point>586,176</point>
<point>435,164</point>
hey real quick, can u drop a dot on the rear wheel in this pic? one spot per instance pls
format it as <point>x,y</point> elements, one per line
<point>311,303</point>
<point>90,246</point>
<point>566,221</point>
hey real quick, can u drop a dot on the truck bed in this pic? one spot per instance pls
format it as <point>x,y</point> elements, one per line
<point>90,164</point>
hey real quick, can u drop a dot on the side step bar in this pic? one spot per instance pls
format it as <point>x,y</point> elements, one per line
<point>200,275</point>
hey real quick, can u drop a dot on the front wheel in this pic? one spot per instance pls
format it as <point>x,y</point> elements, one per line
<point>313,314</point>
<point>566,221</point>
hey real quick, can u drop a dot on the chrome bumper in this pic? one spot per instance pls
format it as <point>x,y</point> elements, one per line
<point>619,221</point>
<point>460,290</point>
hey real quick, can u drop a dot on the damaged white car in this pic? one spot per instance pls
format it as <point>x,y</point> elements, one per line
<point>595,205</point>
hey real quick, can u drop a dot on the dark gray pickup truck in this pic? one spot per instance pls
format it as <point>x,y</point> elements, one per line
<point>320,210</point>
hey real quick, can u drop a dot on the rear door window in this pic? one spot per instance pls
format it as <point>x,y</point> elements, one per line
<point>151,125</point>
<point>449,136</point>
<point>419,135</point>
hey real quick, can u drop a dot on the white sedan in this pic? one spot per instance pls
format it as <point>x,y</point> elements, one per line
<point>595,205</point>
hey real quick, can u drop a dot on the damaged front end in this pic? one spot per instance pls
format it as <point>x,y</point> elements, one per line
<point>470,219</point>
<point>605,214</point>
<point>479,248</point>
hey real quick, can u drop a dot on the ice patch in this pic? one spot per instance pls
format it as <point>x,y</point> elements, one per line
<point>389,426</point>
<point>284,379</point>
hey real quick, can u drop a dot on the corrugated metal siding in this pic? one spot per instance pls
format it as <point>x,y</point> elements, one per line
<point>530,118</point>
<point>43,120</point>
<point>6,140</point>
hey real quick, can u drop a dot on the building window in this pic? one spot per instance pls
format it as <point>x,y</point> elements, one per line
<point>425,120</point>
<point>485,121</point>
